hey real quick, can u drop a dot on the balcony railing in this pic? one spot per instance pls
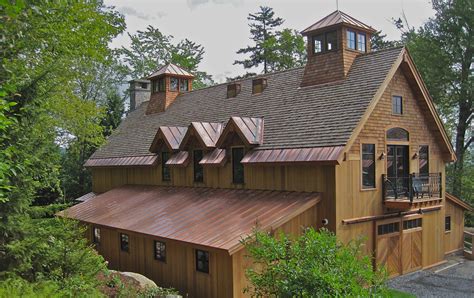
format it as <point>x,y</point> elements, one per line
<point>413,187</point>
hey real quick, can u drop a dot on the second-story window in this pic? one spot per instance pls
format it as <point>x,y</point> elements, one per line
<point>368,166</point>
<point>351,39</point>
<point>331,41</point>
<point>424,161</point>
<point>397,105</point>
<point>174,84</point>
<point>237,166</point>
<point>198,169</point>
<point>318,42</point>
<point>165,169</point>
<point>361,42</point>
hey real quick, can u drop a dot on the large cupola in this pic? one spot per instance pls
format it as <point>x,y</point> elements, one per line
<point>166,84</point>
<point>332,45</point>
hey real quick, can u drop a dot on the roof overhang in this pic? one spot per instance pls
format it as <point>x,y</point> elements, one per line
<point>317,155</point>
<point>144,160</point>
<point>216,218</point>
<point>457,201</point>
<point>216,157</point>
<point>171,136</point>
<point>180,159</point>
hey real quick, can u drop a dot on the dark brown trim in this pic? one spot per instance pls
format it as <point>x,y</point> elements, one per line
<point>390,215</point>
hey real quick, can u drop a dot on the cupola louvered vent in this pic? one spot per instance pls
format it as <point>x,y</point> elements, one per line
<point>233,89</point>
<point>258,85</point>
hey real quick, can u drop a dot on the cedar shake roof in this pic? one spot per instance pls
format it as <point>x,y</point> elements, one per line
<point>215,218</point>
<point>335,18</point>
<point>171,69</point>
<point>295,117</point>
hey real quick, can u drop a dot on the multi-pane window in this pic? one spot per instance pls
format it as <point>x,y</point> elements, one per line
<point>96,235</point>
<point>198,169</point>
<point>174,84</point>
<point>331,41</point>
<point>388,228</point>
<point>165,169</point>
<point>397,105</point>
<point>183,85</point>
<point>424,161</point>
<point>351,39</point>
<point>447,223</point>
<point>202,261</point>
<point>368,166</point>
<point>160,251</point>
<point>318,43</point>
<point>124,242</point>
<point>158,85</point>
<point>397,134</point>
<point>361,42</point>
<point>258,85</point>
<point>412,223</point>
<point>237,166</point>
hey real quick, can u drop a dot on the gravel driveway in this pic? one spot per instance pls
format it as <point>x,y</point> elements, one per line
<point>453,279</point>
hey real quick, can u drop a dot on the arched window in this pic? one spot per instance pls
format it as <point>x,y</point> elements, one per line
<point>397,134</point>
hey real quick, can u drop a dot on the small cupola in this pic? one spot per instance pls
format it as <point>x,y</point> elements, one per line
<point>332,45</point>
<point>166,84</point>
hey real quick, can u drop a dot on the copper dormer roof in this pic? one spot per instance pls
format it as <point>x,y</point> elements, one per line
<point>335,18</point>
<point>171,69</point>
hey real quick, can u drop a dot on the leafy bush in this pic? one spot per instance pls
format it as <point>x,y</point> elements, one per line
<point>315,264</point>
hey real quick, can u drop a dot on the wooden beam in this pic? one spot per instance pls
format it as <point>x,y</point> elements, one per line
<point>390,215</point>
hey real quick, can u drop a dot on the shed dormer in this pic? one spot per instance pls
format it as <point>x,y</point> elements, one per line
<point>166,84</point>
<point>332,45</point>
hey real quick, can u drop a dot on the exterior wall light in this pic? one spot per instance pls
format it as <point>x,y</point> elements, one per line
<point>382,156</point>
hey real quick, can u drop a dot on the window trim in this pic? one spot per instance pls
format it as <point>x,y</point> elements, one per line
<point>348,31</point>
<point>362,187</point>
<point>395,223</point>
<point>401,105</point>
<point>163,258</point>
<point>365,42</point>
<point>208,261</point>
<point>322,44</point>
<point>163,166</point>
<point>182,80</point>
<point>196,163</point>
<point>232,161</point>
<point>177,84</point>
<point>128,242</point>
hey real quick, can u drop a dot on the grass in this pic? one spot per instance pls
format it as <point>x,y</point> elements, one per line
<point>398,294</point>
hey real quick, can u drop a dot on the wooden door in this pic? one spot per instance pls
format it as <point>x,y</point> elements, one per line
<point>388,247</point>
<point>412,245</point>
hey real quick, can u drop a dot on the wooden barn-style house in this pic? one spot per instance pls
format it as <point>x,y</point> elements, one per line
<point>351,142</point>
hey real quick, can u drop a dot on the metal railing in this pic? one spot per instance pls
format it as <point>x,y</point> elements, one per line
<point>412,187</point>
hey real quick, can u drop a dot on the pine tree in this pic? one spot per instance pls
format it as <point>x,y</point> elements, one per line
<point>262,25</point>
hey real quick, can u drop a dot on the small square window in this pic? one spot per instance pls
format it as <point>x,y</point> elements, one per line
<point>258,85</point>
<point>183,85</point>
<point>96,235</point>
<point>318,43</point>
<point>202,261</point>
<point>174,84</point>
<point>397,105</point>
<point>160,251</point>
<point>447,223</point>
<point>124,242</point>
<point>144,85</point>
<point>361,43</point>
<point>233,90</point>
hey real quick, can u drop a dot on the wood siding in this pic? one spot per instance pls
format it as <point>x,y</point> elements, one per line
<point>352,201</point>
<point>453,240</point>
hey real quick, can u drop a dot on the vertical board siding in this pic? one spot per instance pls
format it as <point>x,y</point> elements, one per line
<point>453,240</point>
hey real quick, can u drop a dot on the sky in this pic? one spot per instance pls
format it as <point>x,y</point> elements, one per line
<point>221,26</point>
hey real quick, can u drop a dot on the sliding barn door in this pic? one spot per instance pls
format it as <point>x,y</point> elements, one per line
<point>412,245</point>
<point>388,247</point>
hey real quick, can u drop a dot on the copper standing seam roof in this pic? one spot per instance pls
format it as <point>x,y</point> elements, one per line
<point>249,128</point>
<point>305,155</point>
<point>215,218</point>
<point>171,69</point>
<point>170,135</point>
<point>337,17</point>
<point>180,159</point>
<point>207,132</point>
<point>146,160</point>
<point>216,157</point>
<point>86,197</point>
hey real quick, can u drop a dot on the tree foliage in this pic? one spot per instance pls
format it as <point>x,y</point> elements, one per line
<point>276,50</point>
<point>151,49</point>
<point>315,264</point>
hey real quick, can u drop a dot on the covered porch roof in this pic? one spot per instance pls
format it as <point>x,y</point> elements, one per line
<point>216,218</point>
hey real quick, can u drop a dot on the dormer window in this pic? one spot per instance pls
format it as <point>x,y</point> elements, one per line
<point>183,85</point>
<point>325,42</point>
<point>174,84</point>
<point>361,45</point>
<point>351,40</point>
<point>258,85</point>
<point>232,90</point>
<point>318,43</point>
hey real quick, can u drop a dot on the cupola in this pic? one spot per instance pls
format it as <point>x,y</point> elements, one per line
<point>166,84</point>
<point>332,45</point>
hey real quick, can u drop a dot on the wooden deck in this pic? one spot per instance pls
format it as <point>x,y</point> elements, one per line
<point>406,204</point>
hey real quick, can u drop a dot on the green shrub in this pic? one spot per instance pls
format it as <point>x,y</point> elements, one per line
<point>314,265</point>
